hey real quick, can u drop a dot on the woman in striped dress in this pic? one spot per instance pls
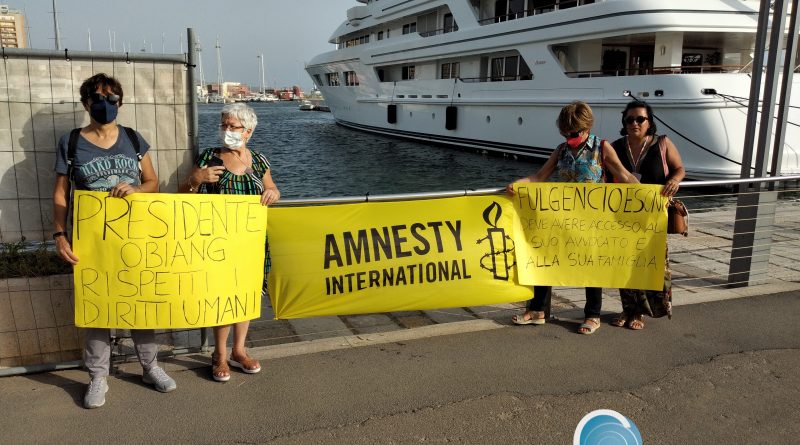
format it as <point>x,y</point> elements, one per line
<point>233,169</point>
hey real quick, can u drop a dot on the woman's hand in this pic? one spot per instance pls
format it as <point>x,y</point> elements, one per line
<point>65,250</point>
<point>510,189</point>
<point>270,196</point>
<point>122,190</point>
<point>208,174</point>
<point>670,188</point>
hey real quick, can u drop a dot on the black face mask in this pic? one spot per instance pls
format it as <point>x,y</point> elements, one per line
<point>103,112</point>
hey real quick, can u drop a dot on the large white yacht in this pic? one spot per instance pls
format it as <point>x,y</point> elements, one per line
<point>493,74</point>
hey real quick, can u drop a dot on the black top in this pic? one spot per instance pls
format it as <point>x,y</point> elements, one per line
<point>651,167</point>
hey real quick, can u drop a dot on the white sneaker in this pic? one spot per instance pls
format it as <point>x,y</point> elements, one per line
<point>159,379</point>
<point>96,393</point>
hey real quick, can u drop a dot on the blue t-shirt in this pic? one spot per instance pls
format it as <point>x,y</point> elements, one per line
<point>100,169</point>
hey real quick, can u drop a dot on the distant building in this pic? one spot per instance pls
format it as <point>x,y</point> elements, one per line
<point>229,89</point>
<point>12,28</point>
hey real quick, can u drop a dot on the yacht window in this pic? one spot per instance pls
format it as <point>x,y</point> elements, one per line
<point>497,69</point>
<point>350,79</point>
<point>500,10</point>
<point>333,79</point>
<point>408,72</point>
<point>317,80</point>
<point>516,9</point>
<point>524,70</point>
<point>449,23</point>
<point>380,35</point>
<point>450,70</point>
<point>408,28</point>
<point>565,4</point>
<point>510,71</point>
<point>542,6</point>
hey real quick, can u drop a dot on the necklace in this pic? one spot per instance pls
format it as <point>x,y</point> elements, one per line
<point>247,168</point>
<point>635,161</point>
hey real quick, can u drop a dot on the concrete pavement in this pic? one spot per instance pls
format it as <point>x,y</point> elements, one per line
<point>719,372</point>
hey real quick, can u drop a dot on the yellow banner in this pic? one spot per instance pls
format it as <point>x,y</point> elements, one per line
<point>597,235</point>
<point>167,260</point>
<point>392,256</point>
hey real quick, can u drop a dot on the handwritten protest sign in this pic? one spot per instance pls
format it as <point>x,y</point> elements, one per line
<point>167,260</point>
<point>392,256</point>
<point>597,235</point>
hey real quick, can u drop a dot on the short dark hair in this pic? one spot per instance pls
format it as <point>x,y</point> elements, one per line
<point>651,130</point>
<point>90,85</point>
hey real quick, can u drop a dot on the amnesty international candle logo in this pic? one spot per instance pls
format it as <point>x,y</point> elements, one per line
<point>500,260</point>
<point>392,256</point>
<point>167,261</point>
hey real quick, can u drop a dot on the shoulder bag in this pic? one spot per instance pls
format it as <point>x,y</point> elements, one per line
<point>677,214</point>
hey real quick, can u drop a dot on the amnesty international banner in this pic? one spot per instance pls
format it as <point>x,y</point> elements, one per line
<point>167,260</point>
<point>597,235</point>
<point>392,256</point>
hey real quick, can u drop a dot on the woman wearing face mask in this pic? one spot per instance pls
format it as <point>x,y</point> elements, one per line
<point>640,151</point>
<point>581,158</point>
<point>105,158</point>
<point>233,169</point>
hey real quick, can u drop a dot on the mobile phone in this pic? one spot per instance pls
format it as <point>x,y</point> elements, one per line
<point>214,162</point>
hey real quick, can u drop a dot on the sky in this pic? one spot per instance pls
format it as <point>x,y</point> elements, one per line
<point>288,32</point>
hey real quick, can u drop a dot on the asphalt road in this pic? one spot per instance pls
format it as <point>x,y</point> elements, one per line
<point>722,372</point>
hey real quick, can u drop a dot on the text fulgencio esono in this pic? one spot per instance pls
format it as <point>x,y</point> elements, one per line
<point>394,242</point>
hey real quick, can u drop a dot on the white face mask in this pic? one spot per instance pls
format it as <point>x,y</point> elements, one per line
<point>231,139</point>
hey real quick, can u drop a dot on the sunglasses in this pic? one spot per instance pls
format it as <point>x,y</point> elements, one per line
<point>638,119</point>
<point>572,135</point>
<point>111,98</point>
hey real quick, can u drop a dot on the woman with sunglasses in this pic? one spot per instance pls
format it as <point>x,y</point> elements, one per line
<point>234,169</point>
<point>581,158</point>
<point>652,159</point>
<point>105,159</point>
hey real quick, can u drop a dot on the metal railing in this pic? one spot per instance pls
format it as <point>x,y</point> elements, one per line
<point>682,69</point>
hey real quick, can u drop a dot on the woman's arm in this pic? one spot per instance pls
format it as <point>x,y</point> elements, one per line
<point>271,193</point>
<point>541,175</point>
<point>60,199</point>
<point>676,171</point>
<point>613,164</point>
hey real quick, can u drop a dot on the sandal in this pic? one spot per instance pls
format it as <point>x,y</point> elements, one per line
<point>636,323</point>
<point>621,320</point>
<point>219,369</point>
<point>589,325</point>
<point>247,365</point>
<point>521,320</point>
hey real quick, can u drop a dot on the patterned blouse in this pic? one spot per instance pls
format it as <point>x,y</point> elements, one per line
<point>585,166</point>
<point>248,183</point>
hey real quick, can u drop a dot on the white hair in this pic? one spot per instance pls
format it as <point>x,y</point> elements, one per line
<point>243,113</point>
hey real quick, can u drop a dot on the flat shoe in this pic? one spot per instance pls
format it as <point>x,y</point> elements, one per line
<point>589,328</point>
<point>219,370</point>
<point>247,365</point>
<point>521,320</point>
<point>620,320</point>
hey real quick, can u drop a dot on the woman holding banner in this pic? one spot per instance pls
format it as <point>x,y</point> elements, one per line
<point>581,158</point>
<point>653,159</point>
<point>104,156</point>
<point>234,169</point>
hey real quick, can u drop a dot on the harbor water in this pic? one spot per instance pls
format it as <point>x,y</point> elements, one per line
<point>312,157</point>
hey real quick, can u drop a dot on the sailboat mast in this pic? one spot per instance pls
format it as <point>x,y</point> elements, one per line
<point>219,67</point>
<point>262,72</point>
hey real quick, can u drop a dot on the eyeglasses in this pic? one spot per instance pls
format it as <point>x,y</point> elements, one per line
<point>638,119</point>
<point>230,127</point>
<point>111,98</point>
<point>571,135</point>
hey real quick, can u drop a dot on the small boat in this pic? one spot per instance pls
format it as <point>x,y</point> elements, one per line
<point>306,106</point>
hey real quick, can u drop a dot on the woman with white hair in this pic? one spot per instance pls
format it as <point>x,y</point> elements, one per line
<point>233,169</point>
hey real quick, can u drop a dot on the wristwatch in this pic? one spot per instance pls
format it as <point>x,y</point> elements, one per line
<point>57,234</point>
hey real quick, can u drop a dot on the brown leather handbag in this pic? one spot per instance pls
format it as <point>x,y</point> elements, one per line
<point>677,214</point>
